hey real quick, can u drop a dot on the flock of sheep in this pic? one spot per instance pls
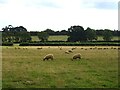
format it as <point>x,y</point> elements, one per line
<point>75,56</point>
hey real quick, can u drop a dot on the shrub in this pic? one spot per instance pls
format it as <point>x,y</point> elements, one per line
<point>7,44</point>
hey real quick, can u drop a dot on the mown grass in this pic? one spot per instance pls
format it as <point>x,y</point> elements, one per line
<point>25,68</point>
<point>100,38</point>
<point>35,38</point>
<point>64,38</point>
<point>52,38</point>
<point>58,38</point>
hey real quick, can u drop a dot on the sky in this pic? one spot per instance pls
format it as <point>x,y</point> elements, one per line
<point>39,15</point>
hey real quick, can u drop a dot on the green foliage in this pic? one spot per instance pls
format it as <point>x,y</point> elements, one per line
<point>7,44</point>
<point>43,36</point>
<point>15,34</point>
<point>76,33</point>
<point>90,34</point>
<point>107,36</point>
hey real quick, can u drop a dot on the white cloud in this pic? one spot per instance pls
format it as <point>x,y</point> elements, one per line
<point>56,14</point>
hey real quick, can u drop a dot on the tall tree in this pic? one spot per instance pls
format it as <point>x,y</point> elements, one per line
<point>76,33</point>
<point>43,36</point>
<point>107,35</point>
<point>15,34</point>
<point>90,34</point>
<point>49,31</point>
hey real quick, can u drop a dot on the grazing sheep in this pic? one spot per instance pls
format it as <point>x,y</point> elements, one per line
<point>70,51</point>
<point>67,52</point>
<point>90,48</point>
<point>73,48</point>
<point>18,48</point>
<point>39,48</point>
<point>111,47</point>
<point>48,56</point>
<point>78,55</point>
<point>60,48</point>
<point>99,48</point>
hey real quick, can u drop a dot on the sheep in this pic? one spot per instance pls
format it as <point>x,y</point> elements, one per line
<point>48,56</point>
<point>60,48</point>
<point>99,48</point>
<point>67,52</point>
<point>18,48</point>
<point>90,48</point>
<point>75,56</point>
<point>39,48</point>
<point>70,51</point>
<point>73,48</point>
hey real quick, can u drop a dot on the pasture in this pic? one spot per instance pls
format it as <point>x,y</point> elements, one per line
<point>23,67</point>
<point>64,38</point>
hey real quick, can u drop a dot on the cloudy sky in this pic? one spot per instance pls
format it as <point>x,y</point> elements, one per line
<point>38,15</point>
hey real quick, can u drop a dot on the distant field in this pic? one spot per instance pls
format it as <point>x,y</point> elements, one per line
<point>58,38</point>
<point>114,38</point>
<point>35,38</point>
<point>52,38</point>
<point>64,38</point>
<point>23,67</point>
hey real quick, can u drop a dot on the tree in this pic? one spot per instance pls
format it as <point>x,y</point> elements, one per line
<point>90,34</point>
<point>107,35</point>
<point>63,32</point>
<point>43,36</point>
<point>15,34</point>
<point>49,31</point>
<point>76,33</point>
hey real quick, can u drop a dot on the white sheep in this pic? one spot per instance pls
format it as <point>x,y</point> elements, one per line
<point>73,48</point>
<point>60,48</point>
<point>70,51</point>
<point>75,56</point>
<point>48,56</point>
<point>67,52</point>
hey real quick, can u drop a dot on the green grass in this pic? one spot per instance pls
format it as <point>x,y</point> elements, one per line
<point>52,38</point>
<point>25,68</point>
<point>35,38</point>
<point>58,38</point>
<point>114,38</point>
<point>64,38</point>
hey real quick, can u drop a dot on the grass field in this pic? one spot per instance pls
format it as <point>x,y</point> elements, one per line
<point>114,38</point>
<point>52,38</point>
<point>25,68</point>
<point>58,38</point>
<point>64,38</point>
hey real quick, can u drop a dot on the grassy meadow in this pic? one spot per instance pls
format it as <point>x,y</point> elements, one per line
<point>64,38</point>
<point>23,67</point>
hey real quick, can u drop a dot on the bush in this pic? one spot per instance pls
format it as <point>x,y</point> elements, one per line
<point>7,44</point>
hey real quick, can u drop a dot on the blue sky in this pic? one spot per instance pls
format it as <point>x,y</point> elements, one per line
<point>38,15</point>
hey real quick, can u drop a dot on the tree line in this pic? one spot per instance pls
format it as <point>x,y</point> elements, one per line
<point>74,33</point>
